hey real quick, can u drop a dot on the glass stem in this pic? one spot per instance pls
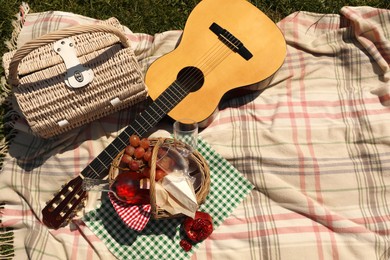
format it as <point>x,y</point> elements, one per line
<point>95,185</point>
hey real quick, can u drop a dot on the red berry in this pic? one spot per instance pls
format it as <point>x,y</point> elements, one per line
<point>166,163</point>
<point>144,143</point>
<point>199,228</point>
<point>134,165</point>
<point>126,158</point>
<point>134,140</point>
<point>159,174</point>
<point>148,155</point>
<point>186,245</point>
<point>129,150</point>
<point>139,152</point>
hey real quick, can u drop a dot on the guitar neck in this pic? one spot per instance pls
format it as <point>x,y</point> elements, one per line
<point>144,121</point>
<point>229,56</point>
<point>69,199</point>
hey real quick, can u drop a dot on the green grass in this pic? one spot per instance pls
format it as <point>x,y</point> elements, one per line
<point>153,16</point>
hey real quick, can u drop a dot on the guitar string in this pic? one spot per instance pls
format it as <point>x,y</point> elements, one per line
<point>201,63</point>
<point>174,95</point>
<point>210,66</point>
<point>217,47</point>
<point>175,86</point>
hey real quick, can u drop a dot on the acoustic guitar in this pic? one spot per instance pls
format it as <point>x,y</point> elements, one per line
<point>225,44</point>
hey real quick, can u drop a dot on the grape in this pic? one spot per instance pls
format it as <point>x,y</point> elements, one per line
<point>159,174</point>
<point>144,143</point>
<point>166,164</point>
<point>134,165</point>
<point>148,155</point>
<point>129,150</point>
<point>134,140</point>
<point>126,158</point>
<point>139,152</point>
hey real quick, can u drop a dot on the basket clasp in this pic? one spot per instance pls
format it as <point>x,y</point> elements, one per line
<point>77,75</point>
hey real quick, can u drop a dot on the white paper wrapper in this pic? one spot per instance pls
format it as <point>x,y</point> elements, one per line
<point>176,195</point>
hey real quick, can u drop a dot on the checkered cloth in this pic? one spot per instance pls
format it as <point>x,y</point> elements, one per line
<point>134,216</point>
<point>315,145</point>
<point>160,238</point>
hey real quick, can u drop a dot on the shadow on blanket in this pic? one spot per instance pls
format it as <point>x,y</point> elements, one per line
<point>38,150</point>
<point>115,223</point>
<point>32,151</point>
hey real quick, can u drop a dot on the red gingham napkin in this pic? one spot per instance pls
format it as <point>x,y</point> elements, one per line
<point>134,216</point>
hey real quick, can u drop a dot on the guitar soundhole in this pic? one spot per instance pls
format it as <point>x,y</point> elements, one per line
<point>190,78</point>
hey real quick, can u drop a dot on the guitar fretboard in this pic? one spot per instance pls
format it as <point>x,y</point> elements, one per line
<point>143,122</point>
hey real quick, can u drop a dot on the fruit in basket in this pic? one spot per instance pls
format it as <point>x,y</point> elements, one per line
<point>159,174</point>
<point>144,143</point>
<point>134,140</point>
<point>134,165</point>
<point>166,163</point>
<point>199,228</point>
<point>137,156</point>
<point>139,152</point>
<point>126,158</point>
<point>129,150</point>
<point>148,155</point>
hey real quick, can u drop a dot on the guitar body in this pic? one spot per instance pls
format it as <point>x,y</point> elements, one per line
<point>223,69</point>
<point>225,44</point>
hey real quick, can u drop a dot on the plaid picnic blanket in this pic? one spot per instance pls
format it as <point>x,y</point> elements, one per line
<point>314,144</point>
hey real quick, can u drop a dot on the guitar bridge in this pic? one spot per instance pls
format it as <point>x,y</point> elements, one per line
<point>231,41</point>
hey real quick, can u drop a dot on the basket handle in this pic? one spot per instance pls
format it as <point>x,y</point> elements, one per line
<point>152,191</point>
<point>55,36</point>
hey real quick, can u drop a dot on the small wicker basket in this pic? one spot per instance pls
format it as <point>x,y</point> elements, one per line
<point>40,77</point>
<point>157,212</point>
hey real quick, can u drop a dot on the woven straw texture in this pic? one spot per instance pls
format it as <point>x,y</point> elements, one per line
<point>37,75</point>
<point>201,193</point>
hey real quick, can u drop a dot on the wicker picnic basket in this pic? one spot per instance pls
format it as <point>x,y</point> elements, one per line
<point>157,212</point>
<point>70,77</point>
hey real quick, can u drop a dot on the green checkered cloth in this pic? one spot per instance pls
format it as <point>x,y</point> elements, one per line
<point>160,238</point>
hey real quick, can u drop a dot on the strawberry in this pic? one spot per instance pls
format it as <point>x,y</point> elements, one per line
<point>199,228</point>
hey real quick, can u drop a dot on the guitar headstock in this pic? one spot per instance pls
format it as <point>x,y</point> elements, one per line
<point>61,209</point>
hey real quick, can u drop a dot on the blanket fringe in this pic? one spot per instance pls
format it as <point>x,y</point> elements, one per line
<point>9,118</point>
<point>17,25</point>
<point>6,234</point>
<point>6,240</point>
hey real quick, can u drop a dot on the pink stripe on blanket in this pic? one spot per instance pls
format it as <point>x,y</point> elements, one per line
<point>308,229</point>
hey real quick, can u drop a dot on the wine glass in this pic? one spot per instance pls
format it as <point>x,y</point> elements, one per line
<point>128,187</point>
<point>133,187</point>
<point>186,131</point>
